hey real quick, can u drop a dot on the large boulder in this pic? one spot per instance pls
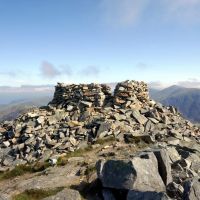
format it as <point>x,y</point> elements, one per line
<point>192,190</point>
<point>140,173</point>
<point>135,195</point>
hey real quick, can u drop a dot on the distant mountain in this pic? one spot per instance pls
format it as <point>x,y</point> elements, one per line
<point>14,109</point>
<point>25,93</point>
<point>187,100</point>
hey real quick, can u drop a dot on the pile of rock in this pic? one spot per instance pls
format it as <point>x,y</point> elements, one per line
<point>88,95</point>
<point>131,94</point>
<point>79,115</point>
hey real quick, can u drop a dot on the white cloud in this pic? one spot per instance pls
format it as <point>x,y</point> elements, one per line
<point>48,70</point>
<point>127,13</point>
<point>123,12</point>
<point>190,83</point>
<point>159,85</point>
<point>91,70</point>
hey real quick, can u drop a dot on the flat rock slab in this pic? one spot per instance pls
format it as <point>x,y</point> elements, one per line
<point>55,177</point>
<point>66,194</point>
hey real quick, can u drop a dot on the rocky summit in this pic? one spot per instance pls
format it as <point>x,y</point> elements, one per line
<point>107,145</point>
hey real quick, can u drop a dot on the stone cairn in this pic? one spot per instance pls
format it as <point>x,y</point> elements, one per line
<point>131,94</point>
<point>67,96</point>
<point>79,115</point>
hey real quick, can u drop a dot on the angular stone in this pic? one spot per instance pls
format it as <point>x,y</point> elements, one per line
<point>175,190</point>
<point>192,189</point>
<point>104,127</point>
<point>73,141</point>
<point>32,115</point>
<point>70,108</point>
<point>173,154</point>
<point>140,173</point>
<point>74,124</point>
<point>86,104</point>
<point>138,117</point>
<point>6,144</point>
<point>164,166</point>
<point>41,120</point>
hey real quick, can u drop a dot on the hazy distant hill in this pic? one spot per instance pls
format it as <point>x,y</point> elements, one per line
<point>12,110</point>
<point>187,100</point>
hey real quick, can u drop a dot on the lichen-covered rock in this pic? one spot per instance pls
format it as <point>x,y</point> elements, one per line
<point>140,173</point>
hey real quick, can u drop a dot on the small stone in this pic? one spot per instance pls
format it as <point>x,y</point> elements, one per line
<point>73,141</point>
<point>6,144</point>
<point>40,120</point>
<point>138,117</point>
<point>70,108</point>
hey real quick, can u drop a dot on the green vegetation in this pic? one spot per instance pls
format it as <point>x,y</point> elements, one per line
<point>37,194</point>
<point>78,153</point>
<point>23,169</point>
<point>105,140</point>
<point>41,166</point>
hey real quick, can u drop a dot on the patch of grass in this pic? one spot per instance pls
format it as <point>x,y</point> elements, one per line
<point>90,169</point>
<point>23,169</point>
<point>37,194</point>
<point>17,171</point>
<point>78,153</point>
<point>105,140</point>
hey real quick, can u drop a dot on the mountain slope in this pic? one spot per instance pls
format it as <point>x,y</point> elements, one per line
<point>12,110</point>
<point>187,100</point>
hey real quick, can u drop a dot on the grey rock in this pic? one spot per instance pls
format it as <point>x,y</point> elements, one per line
<point>108,195</point>
<point>192,189</point>
<point>5,197</point>
<point>85,104</point>
<point>41,120</point>
<point>173,154</point>
<point>6,144</point>
<point>137,195</point>
<point>70,108</point>
<point>138,117</point>
<point>66,194</point>
<point>175,190</point>
<point>104,127</point>
<point>164,166</point>
<point>140,173</point>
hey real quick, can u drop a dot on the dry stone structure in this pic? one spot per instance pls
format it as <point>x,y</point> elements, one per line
<point>79,115</point>
<point>89,95</point>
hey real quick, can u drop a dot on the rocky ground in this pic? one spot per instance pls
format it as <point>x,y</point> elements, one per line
<point>90,143</point>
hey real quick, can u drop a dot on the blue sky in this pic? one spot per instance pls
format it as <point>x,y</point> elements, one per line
<point>49,41</point>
